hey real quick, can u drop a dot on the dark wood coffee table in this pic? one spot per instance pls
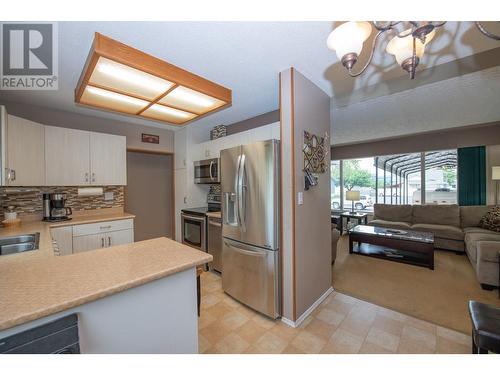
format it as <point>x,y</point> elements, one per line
<point>405,246</point>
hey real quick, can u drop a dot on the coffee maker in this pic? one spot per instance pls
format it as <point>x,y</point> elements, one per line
<point>54,207</point>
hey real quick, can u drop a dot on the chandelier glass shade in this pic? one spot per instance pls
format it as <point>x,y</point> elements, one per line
<point>349,38</point>
<point>402,47</point>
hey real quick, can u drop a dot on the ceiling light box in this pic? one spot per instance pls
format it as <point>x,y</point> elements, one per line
<point>119,78</point>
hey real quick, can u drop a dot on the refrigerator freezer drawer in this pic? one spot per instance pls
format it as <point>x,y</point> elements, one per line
<point>251,275</point>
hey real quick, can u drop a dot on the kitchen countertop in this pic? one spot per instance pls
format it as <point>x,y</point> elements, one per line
<point>214,214</point>
<point>38,283</point>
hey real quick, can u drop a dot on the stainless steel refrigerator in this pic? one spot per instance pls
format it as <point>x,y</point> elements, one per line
<point>250,225</point>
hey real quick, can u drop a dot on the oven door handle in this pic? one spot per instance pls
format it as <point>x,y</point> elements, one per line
<point>195,218</point>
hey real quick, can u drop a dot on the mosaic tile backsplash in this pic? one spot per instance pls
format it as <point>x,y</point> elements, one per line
<point>30,201</point>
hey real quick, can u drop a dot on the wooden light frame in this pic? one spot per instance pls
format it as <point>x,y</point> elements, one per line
<point>110,49</point>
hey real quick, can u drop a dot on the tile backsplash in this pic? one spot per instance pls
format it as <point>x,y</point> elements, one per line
<point>29,200</point>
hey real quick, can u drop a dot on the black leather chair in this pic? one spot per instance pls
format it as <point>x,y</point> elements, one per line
<point>485,328</point>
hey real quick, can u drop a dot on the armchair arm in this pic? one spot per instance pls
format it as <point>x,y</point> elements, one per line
<point>487,251</point>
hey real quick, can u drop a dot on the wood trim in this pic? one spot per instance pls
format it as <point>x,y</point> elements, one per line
<point>159,97</point>
<point>122,53</point>
<point>292,124</point>
<point>280,192</point>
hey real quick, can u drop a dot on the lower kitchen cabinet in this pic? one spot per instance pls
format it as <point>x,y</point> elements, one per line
<point>84,237</point>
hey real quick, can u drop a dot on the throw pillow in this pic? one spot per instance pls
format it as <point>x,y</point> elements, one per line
<point>491,220</point>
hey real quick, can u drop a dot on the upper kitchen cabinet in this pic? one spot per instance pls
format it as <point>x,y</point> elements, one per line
<point>67,160</point>
<point>76,157</point>
<point>108,159</point>
<point>25,152</point>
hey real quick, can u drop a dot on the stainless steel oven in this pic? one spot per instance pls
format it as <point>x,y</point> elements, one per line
<point>194,229</point>
<point>207,171</point>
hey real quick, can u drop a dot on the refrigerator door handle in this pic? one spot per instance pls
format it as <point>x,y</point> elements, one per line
<point>236,189</point>
<point>241,197</point>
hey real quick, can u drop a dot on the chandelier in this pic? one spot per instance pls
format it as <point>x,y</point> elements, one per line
<point>407,46</point>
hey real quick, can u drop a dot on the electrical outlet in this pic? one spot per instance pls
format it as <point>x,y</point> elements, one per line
<point>108,196</point>
<point>300,198</point>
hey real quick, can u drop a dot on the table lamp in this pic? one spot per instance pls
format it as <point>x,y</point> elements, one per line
<point>495,176</point>
<point>353,195</point>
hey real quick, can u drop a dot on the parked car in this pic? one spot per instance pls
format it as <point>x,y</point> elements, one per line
<point>364,202</point>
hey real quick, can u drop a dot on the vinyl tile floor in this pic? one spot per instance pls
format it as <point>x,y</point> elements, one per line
<point>341,324</point>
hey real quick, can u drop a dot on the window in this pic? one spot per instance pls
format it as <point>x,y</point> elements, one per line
<point>335,184</point>
<point>441,177</point>
<point>396,179</point>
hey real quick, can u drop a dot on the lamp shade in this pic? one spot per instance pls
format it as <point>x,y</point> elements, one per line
<point>495,173</point>
<point>352,195</point>
<point>402,48</point>
<point>349,38</point>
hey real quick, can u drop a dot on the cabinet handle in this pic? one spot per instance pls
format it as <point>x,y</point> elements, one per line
<point>93,177</point>
<point>105,227</point>
<point>109,241</point>
<point>12,175</point>
<point>102,241</point>
<point>87,177</point>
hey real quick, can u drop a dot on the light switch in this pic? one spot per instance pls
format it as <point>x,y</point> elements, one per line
<point>300,198</point>
<point>207,153</point>
<point>108,196</point>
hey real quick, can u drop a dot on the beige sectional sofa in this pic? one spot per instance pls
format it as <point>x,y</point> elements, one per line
<point>454,227</point>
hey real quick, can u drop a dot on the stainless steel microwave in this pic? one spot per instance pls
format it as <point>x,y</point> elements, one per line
<point>207,171</point>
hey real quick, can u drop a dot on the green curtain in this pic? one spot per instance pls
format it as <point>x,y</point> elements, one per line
<point>472,176</point>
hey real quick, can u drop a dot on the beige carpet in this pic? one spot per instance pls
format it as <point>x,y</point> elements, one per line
<point>438,296</point>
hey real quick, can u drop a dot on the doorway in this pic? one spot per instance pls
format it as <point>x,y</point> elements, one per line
<point>150,194</point>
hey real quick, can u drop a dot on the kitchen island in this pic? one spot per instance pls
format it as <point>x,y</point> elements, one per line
<point>133,298</point>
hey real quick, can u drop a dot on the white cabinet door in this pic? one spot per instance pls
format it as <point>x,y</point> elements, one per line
<point>25,152</point>
<point>120,237</point>
<point>67,160</point>
<point>90,242</point>
<point>108,159</point>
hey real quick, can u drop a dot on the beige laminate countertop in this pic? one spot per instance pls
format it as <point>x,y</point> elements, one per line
<point>38,283</point>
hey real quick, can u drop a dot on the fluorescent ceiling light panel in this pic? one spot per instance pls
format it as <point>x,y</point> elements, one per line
<point>120,78</point>
<point>191,100</point>
<point>98,97</point>
<point>162,113</point>
<point>124,79</point>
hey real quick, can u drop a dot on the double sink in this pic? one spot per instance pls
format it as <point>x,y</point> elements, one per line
<point>19,244</point>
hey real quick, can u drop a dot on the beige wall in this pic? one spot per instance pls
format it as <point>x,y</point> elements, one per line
<point>492,159</point>
<point>71,120</point>
<point>306,227</point>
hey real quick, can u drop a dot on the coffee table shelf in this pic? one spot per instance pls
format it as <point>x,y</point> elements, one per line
<point>411,247</point>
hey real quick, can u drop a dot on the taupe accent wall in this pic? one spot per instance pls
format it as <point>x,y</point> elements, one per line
<point>304,106</point>
<point>48,116</point>
<point>149,194</point>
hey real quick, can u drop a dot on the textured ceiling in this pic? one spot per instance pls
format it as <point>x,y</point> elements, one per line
<point>243,56</point>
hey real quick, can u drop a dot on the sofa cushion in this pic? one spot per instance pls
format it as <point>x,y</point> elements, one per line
<point>470,216</point>
<point>390,224</point>
<point>491,220</point>
<point>442,231</point>
<point>443,214</point>
<point>472,238</point>
<point>390,212</point>
<point>479,230</point>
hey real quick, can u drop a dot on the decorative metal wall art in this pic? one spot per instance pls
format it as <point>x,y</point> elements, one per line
<point>314,150</point>
<point>218,132</point>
